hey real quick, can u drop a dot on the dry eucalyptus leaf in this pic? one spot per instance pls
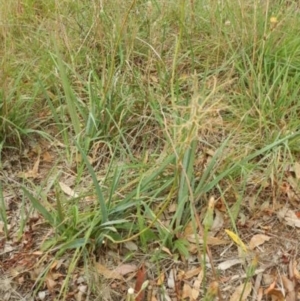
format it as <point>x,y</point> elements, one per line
<point>67,190</point>
<point>106,273</point>
<point>295,270</point>
<point>276,294</point>
<point>125,269</point>
<point>187,292</point>
<point>34,172</point>
<point>192,273</point>
<point>171,279</point>
<point>228,264</point>
<point>258,240</point>
<point>213,241</point>
<point>218,221</point>
<point>289,286</point>
<point>289,217</point>
<point>237,295</point>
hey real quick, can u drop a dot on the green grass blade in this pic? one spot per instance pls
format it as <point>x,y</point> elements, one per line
<point>96,185</point>
<point>39,207</point>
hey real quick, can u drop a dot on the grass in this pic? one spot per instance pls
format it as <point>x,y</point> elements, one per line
<point>156,104</point>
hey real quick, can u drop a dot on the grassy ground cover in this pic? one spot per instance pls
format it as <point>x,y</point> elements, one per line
<point>134,133</point>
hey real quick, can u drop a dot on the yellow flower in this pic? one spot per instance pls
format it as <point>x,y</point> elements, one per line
<point>273,20</point>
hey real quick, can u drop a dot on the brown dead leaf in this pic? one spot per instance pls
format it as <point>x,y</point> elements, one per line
<point>289,286</point>
<point>161,279</point>
<point>189,229</point>
<point>187,292</point>
<point>34,172</point>
<point>172,208</point>
<point>289,217</point>
<point>166,250</point>
<point>297,170</point>
<point>46,157</point>
<point>295,270</point>
<point>106,273</point>
<point>197,285</point>
<point>213,241</point>
<point>258,240</point>
<point>67,190</point>
<point>275,293</point>
<point>244,288</point>
<point>50,282</point>
<point>141,277</point>
<point>192,273</point>
<point>153,79</point>
<point>125,269</point>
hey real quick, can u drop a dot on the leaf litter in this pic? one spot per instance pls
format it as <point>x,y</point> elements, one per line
<point>270,236</point>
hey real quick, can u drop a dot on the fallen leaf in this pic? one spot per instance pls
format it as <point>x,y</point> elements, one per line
<point>50,282</point>
<point>161,279</point>
<point>189,229</point>
<point>228,264</point>
<point>131,246</point>
<point>187,292</point>
<point>166,250</point>
<point>192,273</point>
<point>268,279</point>
<point>289,217</point>
<point>218,221</point>
<point>172,208</point>
<point>106,273</point>
<point>197,285</point>
<point>297,170</point>
<point>258,240</point>
<point>125,269</point>
<point>213,241</point>
<point>67,190</point>
<point>289,288</point>
<point>196,289</point>
<point>171,279</point>
<point>141,277</point>
<point>34,172</point>
<point>295,270</point>
<point>260,294</point>
<point>46,157</point>
<point>245,289</point>
<point>274,292</point>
